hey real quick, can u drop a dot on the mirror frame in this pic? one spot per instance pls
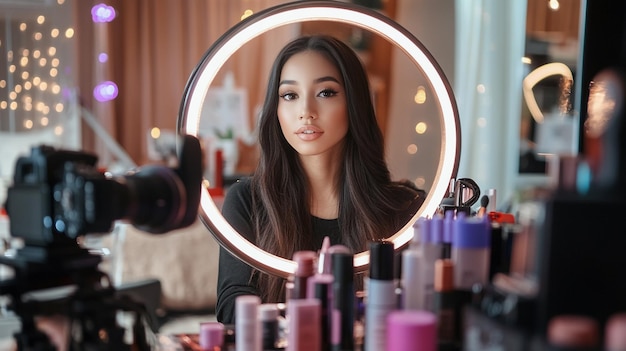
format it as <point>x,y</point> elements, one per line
<point>302,11</point>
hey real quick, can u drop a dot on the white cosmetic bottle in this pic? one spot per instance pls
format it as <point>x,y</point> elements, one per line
<point>380,299</point>
<point>247,323</point>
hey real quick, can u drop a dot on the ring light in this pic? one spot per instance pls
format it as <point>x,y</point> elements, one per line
<point>302,11</point>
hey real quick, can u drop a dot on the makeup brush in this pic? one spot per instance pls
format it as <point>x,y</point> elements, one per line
<point>484,202</point>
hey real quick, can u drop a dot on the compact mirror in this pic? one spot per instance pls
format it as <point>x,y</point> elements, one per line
<point>427,81</point>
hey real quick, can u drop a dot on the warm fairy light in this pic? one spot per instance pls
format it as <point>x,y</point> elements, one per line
<point>42,61</point>
<point>12,68</point>
<point>28,124</point>
<point>246,14</point>
<point>37,36</point>
<point>56,88</point>
<point>36,54</point>
<point>25,75</point>
<point>3,83</point>
<point>303,11</point>
<point>54,32</point>
<point>53,72</point>
<point>18,88</point>
<point>23,26</point>
<point>52,51</point>
<point>59,107</point>
<point>3,105</point>
<point>41,19</point>
<point>13,105</point>
<point>69,33</point>
<point>155,133</point>
<point>54,62</point>
<point>43,86</point>
<point>12,95</point>
<point>58,130</point>
<point>421,127</point>
<point>24,61</point>
<point>554,5</point>
<point>420,95</point>
<point>480,89</point>
<point>44,121</point>
<point>411,149</point>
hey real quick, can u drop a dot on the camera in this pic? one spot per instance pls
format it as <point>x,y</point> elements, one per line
<point>56,197</point>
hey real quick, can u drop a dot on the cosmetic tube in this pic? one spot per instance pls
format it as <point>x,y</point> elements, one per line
<point>320,286</point>
<point>211,336</point>
<point>411,330</point>
<point>323,259</point>
<point>344,302</point>
<point>413,271</point>
<point>445,303</point>
<point>268,313</point>
<point>448,229</point>
<point>380,299</point>
<point>303,316</point>
<point>615,332</point>
<point>305,268</point>
<point>433,250</point>
<point>471,242</point>
<point>247,323</point>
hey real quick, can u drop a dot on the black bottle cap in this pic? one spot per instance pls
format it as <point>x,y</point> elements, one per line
<point>381,260</point>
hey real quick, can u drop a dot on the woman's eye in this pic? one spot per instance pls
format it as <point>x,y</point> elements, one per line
<point>327,93</point>
<point>288,96</point>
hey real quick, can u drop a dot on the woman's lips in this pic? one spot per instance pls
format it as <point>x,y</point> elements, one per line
<point>309,133</point>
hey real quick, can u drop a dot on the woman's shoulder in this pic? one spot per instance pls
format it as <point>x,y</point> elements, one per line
<point>238,196</point>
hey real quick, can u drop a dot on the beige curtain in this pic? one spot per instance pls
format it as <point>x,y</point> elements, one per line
<point>153,47</point>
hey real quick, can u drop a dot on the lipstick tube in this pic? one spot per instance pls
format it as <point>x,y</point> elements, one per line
<point>380,298</point>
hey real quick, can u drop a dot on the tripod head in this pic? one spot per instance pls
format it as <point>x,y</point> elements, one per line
<point>58,196</point>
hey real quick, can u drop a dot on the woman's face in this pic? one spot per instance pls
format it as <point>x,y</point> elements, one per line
<point>312,107</point>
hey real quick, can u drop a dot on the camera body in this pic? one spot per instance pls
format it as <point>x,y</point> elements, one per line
<point>59,195</point>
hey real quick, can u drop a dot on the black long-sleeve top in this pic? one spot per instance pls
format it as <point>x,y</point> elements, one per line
<point>234,275</point>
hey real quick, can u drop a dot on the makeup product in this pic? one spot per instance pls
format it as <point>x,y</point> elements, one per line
<point>303,316</point>
<point>305,268</point>
<point>247,323</point>
<point>320,287</point>
<point>323,259</point>
<point>411,330</point>
<point>268,313</point>
<point>471,241</point>
<point>344,301</point>
<point>445,302</point>
<point>211,336</point>
<point>433,250</point>
<point>448,228</point>
<point>482,210</point>
<point>413,269</point>
<point>573,332</point>
<point>615,332</point>
<point>380,299</point>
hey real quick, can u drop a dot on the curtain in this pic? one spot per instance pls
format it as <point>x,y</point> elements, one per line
<point>490,38</point>
<point>153,47</point>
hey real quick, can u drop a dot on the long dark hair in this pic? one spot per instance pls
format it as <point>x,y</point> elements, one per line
<point>369,202</point>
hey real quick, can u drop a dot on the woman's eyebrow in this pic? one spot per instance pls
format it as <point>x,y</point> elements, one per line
<point>318,80</point>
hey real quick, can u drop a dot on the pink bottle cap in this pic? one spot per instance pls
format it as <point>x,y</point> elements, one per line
<point>615,334</point>
<point>211,335</point>
<point>411,330</point>
<point>573,331</point>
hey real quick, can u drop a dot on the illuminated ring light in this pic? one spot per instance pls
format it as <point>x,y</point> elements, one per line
<point>302,11</point>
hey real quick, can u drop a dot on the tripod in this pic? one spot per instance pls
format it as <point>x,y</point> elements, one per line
<point>91,307</point>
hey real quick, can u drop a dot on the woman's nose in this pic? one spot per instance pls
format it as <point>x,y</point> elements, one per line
<point>309,110</point>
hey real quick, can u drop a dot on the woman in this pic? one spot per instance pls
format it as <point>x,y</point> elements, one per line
<point>321,172</point>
